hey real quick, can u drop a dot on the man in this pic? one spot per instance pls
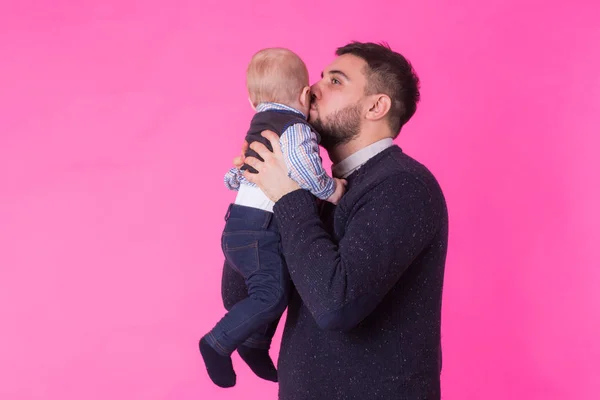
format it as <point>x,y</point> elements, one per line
<point>364,319</point>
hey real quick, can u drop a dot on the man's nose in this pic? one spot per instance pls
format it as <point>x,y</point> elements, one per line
<point>315,93</point>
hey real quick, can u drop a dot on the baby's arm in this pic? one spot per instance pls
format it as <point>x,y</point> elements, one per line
<point>232,179</point>
<point>301,154</point>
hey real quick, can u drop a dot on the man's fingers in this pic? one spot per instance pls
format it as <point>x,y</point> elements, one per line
<point>250,176</point>
<point>254,163</point>
<point>274,139</point>
<point>238,162</point>
<point>261,149</point>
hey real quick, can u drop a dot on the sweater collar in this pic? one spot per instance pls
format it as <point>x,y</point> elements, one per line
<point>353,162</point>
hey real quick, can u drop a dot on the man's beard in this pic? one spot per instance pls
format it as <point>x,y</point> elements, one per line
<point>340,128</point>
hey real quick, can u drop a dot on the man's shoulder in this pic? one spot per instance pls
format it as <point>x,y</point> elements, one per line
<point>394,161</point>
<point>394,164</point>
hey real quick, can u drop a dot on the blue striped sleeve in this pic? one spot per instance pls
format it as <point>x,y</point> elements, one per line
<point>234,178</point>
<point>301,154</point>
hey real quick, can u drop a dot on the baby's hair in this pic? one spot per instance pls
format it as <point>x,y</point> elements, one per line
<point>276,75</point>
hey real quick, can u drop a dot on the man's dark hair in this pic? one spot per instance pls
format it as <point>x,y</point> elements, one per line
<point>389,73</point>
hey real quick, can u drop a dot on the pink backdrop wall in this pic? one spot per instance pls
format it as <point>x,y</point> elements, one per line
<point>112,203</point>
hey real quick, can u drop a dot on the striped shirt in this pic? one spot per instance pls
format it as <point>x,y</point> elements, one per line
<point>300,149</point>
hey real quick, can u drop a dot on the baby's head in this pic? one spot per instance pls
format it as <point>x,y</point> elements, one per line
<point>278,75</point>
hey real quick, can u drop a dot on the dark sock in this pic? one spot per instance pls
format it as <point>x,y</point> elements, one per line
<point>220,368</point>
<point>259,362</point>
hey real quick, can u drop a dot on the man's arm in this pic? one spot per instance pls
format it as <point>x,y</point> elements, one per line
<point>301,154</point>
<point>341,283</point>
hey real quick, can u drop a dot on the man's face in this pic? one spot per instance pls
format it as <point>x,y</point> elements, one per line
<point>336,108</point>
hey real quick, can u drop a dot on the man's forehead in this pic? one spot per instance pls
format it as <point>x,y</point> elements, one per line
<point>347,64</point>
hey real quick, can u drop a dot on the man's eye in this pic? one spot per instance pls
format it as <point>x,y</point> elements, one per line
<point>335,81</point>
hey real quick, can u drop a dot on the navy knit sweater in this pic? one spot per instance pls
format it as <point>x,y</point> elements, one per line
<point>364,319</point>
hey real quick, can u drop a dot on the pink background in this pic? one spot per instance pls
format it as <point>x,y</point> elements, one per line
<point>112,202</point>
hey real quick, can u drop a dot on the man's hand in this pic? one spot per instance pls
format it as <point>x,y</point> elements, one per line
<point>272,177</point>
<point>340,189</point>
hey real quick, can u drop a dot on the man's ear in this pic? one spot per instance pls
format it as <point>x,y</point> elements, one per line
<point>379,106</point>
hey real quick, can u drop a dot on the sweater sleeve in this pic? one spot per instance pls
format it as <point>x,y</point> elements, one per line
<point>342,283</point>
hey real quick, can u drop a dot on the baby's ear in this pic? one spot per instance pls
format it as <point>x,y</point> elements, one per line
<point>251,104</point>
<point>305,96</point>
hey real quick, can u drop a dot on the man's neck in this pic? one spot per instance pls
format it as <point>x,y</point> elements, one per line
<point>343,151</point>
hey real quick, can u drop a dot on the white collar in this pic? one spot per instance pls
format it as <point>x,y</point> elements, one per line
<point>354,161</point>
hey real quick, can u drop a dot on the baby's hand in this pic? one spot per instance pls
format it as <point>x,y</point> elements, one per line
<point>340,189</point>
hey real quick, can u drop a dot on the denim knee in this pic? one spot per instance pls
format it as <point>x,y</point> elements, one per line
<point>276,302</point>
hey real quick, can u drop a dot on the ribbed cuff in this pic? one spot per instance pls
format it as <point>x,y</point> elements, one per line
<point>297,204</point>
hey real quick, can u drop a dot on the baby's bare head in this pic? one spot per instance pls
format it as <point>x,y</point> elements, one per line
<point>277,75</point>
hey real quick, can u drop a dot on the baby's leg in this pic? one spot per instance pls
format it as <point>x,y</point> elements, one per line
<point>219,366</point>
<point>233,286</point>
<point>255,255</point>
<point>255,352</point>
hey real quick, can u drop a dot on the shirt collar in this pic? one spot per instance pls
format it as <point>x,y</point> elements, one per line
<point>277,106</point>
<point>353,162</point>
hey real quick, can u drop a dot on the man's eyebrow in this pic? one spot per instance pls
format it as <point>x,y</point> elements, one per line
<point>336,72</point>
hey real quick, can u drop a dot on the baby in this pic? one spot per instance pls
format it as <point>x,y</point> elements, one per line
<point>278,87</point>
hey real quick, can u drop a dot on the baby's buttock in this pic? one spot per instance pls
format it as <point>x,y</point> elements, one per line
<point>252,196</point>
